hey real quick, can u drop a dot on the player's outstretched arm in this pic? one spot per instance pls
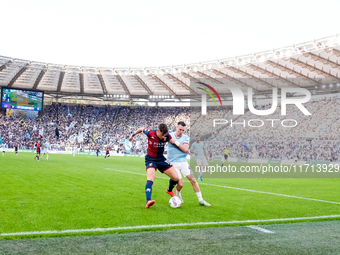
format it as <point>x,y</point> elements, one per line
<point>135,133</point>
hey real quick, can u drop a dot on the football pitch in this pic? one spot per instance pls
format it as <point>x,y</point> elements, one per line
<point>86,195</point>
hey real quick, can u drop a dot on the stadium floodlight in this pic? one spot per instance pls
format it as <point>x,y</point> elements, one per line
<point>331,85</point>
<point>316,87</point>
<point>323,86</point>
<point>338,84</point>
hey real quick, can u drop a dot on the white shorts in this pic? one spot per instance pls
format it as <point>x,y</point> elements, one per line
<point>202,162</point>
<point>46,151</point>
<point>182,167</point>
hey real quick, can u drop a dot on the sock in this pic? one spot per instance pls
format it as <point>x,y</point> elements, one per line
<point>47,156</point>
<point>38,157</point>
<point>172,184</point>
<point>108,156</point>
<point>105,157</point>
<point>148,190</point>
<point>199,196</point>
<point>178,193</point>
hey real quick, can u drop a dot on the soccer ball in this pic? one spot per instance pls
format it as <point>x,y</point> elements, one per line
<point>175,202</point>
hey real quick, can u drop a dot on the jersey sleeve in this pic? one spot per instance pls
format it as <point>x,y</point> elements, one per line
<point>146,131</point>
<point>170,137</point>
<point>186,140</point>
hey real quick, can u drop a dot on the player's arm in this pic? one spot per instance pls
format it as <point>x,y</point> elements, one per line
<point>182,147</point>
<point>136,133</point>
<point>205,153</point>
<point>192,151</point>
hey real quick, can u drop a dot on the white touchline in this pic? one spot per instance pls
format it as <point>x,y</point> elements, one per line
<point>168,225</point>
<point>229,187</point>
<point>261,229</point>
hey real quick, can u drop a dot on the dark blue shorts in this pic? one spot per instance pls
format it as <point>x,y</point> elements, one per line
<point>158,163</point>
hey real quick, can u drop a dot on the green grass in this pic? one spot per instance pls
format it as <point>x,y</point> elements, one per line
<point>80,193</point>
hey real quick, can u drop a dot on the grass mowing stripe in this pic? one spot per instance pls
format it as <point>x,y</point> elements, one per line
<point>229,187</point>
<point>261,229</point>
<point>272,193</point>
<point>169,225</point>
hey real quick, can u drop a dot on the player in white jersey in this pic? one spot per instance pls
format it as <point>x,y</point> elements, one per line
<point>75,148</point>
<point>46,149</point>
<point>178,159</point>
<point>3,149</point>
<point>198,148</point>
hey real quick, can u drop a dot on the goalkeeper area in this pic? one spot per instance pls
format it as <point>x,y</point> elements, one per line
<point>88,196</point>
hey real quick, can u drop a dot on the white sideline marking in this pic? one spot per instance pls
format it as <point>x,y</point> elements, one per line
<point>229,187</point>
<point>261,229</point>
<point>165,226</point>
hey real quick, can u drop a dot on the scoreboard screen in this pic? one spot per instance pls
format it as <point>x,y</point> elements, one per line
<point>22,99</point>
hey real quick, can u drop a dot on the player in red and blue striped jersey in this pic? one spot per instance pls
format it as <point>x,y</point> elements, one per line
<point>157,138</point>
<point>38,146</point>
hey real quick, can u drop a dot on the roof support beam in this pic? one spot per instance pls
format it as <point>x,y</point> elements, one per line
<point>291,71</point>
<point>81,82</point>
<point>60,81</point>
<point>5,65</point>
<point>139,79</point>
<point>337,51</point>
<point>236,70</point>
<point>40,76</point>
<point>208,77</point>
<point>10,84</point>
<point>164,85</point>
<point>315,69</point>
<point>181,82</point>
<point>123,84</point>
<point>102,83</point>
<point>265,71</point>
<point>233,79</point>
<point>324,60</point>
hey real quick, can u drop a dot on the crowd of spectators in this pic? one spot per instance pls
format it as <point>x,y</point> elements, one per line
<point>315,137</point>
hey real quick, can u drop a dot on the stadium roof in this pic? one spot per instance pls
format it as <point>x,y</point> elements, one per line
<point>314,65</point>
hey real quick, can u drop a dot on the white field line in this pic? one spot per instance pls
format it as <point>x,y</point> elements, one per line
<point>229,187</point>
<point>167,226</point>
<point>261,229</point>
